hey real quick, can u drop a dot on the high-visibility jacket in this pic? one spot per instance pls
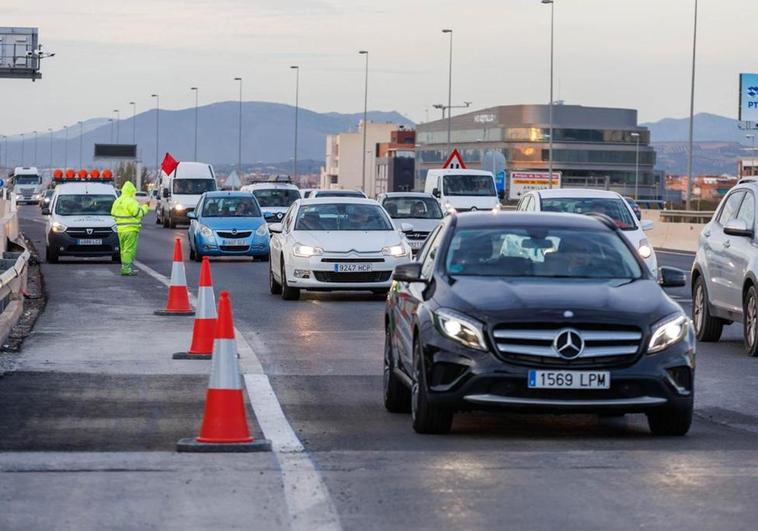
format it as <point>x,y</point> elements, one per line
<point>126,210</point>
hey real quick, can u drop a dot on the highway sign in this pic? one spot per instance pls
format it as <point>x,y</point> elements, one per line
<point>524,181</point>
<point>748,98</point>
<point>19,53</point>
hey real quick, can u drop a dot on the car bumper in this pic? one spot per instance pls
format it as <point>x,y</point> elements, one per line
<point>254,246</point>
<point>66,245</point>
<point>319,273</point>
<point>467,379</point>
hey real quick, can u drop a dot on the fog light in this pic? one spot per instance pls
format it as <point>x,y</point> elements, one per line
<point>302,273</point>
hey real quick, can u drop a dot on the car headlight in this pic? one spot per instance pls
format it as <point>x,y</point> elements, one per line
<point>667,332</point>
<point>205,231</point>
<point>306,251</point>
<point>58,227</point>
<point>178,207</point>
<point>114,228</point>
<point>461,328</point>
<point>262,230</point>
<point>395,251</point>
<point>644,249</point>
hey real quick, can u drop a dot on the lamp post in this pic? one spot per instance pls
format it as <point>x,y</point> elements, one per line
<point>449,91</point>
<point>296,68</point>
<point>752,154</point>
<point>365,119</point>
<point>50,133</point>
<point>35,148</point>
<point>239,147</point>
<point>552,72</point>
<point>118,126</point>
<point>134,121</point>
<point>690,177</point>
<point>157,131</point>
<point>81,139</point>
<point>194,89</point>
<point>636,136</point>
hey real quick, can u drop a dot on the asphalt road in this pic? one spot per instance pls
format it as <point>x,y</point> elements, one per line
<point>323,356</point>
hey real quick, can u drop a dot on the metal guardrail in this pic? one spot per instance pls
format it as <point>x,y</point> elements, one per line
<point>685,216</point>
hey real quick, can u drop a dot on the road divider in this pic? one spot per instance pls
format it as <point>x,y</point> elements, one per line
<point>178,295</point>
<point>13,269</point>
<point>203,329</point>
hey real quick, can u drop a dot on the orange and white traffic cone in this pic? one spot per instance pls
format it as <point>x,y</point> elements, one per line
<point>205,319</point>
<point>178,296</point>
<point>224,427</point>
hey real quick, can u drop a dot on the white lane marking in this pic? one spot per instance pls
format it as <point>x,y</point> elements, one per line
<point>308,501</point>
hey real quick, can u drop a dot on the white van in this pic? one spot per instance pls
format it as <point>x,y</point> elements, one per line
<point>274,198</point>
<point>462,190</point>
<point>27,184</point>
<point>181,191</point>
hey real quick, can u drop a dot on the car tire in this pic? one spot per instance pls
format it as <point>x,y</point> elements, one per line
<point>274,287</point>
<point>397,397</point>
<point>427,418</point>
<point>164,220</point>
<point>264,258</point>
<point>750,321</point>
<point>157,218</point>
<point>51,255</point>
<point>670,421</point>
<point>192,254</point>
<point>707,327</point>
<point>288,293</point>
<point>171,221</point>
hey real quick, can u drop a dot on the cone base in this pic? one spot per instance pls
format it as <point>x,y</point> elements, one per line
<point>174,312</point>
<point>193,445</point>
<point>190,356</point>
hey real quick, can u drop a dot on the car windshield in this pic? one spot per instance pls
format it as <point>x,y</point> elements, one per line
<point>84,205</point>
<point>27,179</point>
<point>412,207</point>
<point>340,193</point>
<point>49,193</point>
<point>342,216</point>
<point>469,185</point>
<point>193,186</point>
<point>276,197</point>
<point>230,207</point>
<point>541,252</point>
<point>615,208</point>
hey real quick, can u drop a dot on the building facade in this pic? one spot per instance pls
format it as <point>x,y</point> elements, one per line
<point>592,146</point>
<point>395,163</point>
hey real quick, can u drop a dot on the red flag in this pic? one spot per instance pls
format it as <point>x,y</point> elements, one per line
<point>169,164</point>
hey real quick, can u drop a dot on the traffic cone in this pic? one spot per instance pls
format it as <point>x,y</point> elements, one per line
<point>178,296</point>
<point>205,319</point>
<point>224,427</point>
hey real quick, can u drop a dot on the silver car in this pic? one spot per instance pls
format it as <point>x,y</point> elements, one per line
<point>724,274</point>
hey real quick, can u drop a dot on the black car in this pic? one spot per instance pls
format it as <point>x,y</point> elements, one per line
<point>531,312</point>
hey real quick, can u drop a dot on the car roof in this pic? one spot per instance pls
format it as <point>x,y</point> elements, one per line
<point>272,184</point>
<point>337,200</point>
<point>578,193</point>
<point>446,171</point>
<point>408,194</point>
<point>84,188</point>
<point>541,219</point>
<point>227,193</point>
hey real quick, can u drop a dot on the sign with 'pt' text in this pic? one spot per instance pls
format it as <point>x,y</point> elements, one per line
<point>523,182</point>
<point>748,98</point>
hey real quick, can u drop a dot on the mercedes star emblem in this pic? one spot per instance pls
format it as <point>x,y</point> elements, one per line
<point>568,343</point>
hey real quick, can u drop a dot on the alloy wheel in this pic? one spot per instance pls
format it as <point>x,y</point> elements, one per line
<point>751,320</point>
<point>698,307</point>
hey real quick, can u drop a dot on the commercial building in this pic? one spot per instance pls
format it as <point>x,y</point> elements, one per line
<point>592,146</point>
<point>395,163</point>
<point>747,167</point>
<point>344,156</point>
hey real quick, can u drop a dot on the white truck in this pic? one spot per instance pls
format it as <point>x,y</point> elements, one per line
<point>27,184</point>
<point>462,190</point>
<point>181,190</point>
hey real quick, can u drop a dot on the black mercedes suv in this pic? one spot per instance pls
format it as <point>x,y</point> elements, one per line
<point>536,312</point>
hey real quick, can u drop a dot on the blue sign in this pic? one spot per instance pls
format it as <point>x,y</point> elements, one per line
<point>2,183</point>
<point>748,98</point>
<point>500,181</point>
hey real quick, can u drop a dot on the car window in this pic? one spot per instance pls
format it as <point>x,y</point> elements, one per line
<point>287,223</point>
<point>747,211</point>
<point>613,207</point>
<point>230,207</point>
<point>427,267</point>
<point>276,197</point>
<point>731,205</point>
<point>193,186</point>
<point>84,204</point>
<point>342,217</point>
<point>412,207</point>
<point>428,243</point>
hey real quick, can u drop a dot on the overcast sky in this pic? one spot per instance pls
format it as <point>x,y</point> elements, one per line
<point>625,53</point>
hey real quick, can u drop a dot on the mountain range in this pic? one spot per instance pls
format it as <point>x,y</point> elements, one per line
<point>267,134</point>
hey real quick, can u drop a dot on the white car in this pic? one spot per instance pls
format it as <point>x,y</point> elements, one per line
<point>274,198</point>
<point>335,243</point>
<point>418,209</point>
<point>587,201</point>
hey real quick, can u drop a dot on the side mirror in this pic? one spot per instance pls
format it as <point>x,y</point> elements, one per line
<point>191,215</point>
<point>406,227</point>
<point>410,272</point>
<point>646,224</point>
<point>275,228</point>
<point>436,193</point>
<point>165,193</point>
<point>672,277</point>
<point>738,227</point>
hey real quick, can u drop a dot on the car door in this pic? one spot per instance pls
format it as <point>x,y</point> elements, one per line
<point>714,245</point>
<point>277,243</point>
<point>737,253</point>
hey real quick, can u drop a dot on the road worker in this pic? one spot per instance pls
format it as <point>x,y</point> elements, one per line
<point>128,214</point>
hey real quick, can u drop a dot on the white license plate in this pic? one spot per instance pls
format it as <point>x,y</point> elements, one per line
<point>416,244</point>
<point>235,243</point>
<point>353,268</point>
<point>89,242</point>
<point>569,379</point>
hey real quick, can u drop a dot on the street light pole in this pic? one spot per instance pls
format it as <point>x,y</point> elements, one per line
<point>449,91</point>
<point>690,177</point>
<point>297,108</point>
<point>636,136</point>
<point>552,72</point>
<point>239,147</point>
<point>81,139</point>
<point>365,120</point>
<point>194,89</point>
<point>134,121</point>
<point>157,131</point>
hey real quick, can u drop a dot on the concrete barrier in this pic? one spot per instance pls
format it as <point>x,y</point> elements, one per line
<point>675,236</point>
<point>13,270</point>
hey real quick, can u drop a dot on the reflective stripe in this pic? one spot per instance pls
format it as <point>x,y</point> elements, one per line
<point>206,304</point>
<point>224,367</point>
<point>178,278</point>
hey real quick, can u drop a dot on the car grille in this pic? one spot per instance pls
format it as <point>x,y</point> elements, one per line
<point>418,236</point>
<point>371,276</point>
<point>532,344</point>
<point>235,248</point>
<point>232,235</point>
<point>82,232</point>
<point>27,194</point>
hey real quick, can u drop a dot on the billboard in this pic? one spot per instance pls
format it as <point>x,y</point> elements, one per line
<point>19,53</point>
<point>748,98</point>
<point>522,182</point>
<point>116,151</point>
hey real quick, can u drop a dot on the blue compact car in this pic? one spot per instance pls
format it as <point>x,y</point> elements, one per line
<point>228,224</point>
